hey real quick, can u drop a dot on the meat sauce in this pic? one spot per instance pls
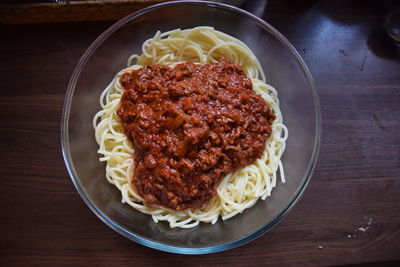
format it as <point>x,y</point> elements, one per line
<point>190,125</point>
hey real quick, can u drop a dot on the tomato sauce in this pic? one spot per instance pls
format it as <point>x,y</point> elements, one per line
<point>190,125</point>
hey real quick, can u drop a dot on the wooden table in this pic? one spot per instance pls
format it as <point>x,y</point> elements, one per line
<point>349,214</point>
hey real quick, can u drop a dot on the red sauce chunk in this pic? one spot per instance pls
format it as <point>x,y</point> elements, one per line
<point>190,125</point>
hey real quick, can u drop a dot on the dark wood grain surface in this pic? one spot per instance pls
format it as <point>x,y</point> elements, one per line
<point>23,11</point>
<point>349,214</point>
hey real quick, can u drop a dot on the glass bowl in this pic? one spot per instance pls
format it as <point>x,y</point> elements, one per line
<point>108,54</point>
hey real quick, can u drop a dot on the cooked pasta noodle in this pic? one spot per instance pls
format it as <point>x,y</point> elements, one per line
<point>236,191</point>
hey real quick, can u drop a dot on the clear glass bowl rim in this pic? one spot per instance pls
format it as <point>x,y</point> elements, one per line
<point>156,245</point>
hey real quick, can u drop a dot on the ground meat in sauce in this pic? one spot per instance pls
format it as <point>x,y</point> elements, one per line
<point>190,125</point>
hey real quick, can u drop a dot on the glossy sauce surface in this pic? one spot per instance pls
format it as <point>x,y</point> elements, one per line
<point>190,125</point>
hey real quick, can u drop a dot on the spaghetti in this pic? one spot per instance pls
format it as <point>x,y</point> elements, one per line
<point>237,191</point>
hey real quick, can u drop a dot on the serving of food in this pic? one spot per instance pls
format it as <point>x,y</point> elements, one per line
<point>190,131</point>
